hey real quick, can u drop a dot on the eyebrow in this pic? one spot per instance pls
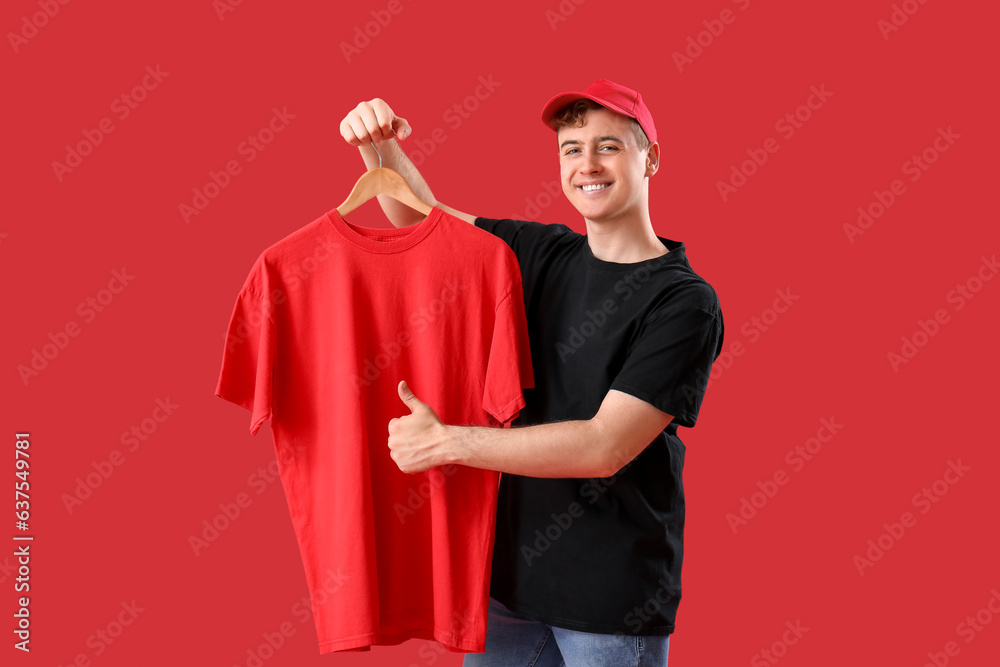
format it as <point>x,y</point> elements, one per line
<point>596,140</point>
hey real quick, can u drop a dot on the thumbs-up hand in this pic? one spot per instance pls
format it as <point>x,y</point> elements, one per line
<point>417,441</point>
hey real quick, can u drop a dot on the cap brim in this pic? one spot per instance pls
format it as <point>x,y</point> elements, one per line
<point>554,105</point>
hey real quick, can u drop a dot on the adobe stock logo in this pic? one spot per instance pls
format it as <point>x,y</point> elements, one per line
<point>927,329</point>
<point>542,200</point>
<point>103,469</point>
<point>561,522</point>
<point>923,500</point>
<point>968,629</point>
<point>697,44</point>
<point>38,20</point>
<point>592,490</point>
<point>302,611</point>
<point>101,639</point>
<point>640,615</point>
<point>59,340</point>
<point>898,17</point>
<point>753,328</point>
<point>260,480</point>
<point>419,320</point>
<point>566,9</point>
<point>248,149</point>
<point>223,7</point>
<point>797,458</point>
<point>419,149</point>
<point>914,167</point>
<point>787,125</point>
<point>364,34</point>
<point>122,106</point>
<point>779,648</point>
<point>432,651</point>
<point>293,277</point>
<point>418,495</point>
<point>627,286</point>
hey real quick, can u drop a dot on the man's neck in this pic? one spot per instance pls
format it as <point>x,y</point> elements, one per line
<point>624,241</point>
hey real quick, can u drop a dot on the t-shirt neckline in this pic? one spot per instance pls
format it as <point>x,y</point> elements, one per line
<point>676,254</point>
<point>401,238</point>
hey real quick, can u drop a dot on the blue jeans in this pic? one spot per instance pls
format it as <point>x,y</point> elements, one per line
<point>514,641</point>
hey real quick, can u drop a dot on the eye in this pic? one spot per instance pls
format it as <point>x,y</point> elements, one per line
<point>572,150</point>
<point>614,148</point>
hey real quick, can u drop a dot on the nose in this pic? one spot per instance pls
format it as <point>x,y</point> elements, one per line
<point>589,162</point>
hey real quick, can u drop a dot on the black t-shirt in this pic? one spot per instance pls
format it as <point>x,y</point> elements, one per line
<point>604,554</point>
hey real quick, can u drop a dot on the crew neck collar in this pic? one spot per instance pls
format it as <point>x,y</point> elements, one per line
<point>675,255</point>
<point>385,240</point>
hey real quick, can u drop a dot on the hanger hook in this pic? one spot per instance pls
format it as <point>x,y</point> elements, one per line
<point>376,150</point>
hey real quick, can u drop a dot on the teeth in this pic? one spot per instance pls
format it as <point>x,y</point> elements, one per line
<point>591,188</point>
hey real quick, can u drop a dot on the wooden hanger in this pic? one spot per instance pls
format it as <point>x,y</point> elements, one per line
<point>382,181</point>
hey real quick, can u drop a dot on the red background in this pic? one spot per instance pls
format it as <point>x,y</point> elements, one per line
<point>826,357</point>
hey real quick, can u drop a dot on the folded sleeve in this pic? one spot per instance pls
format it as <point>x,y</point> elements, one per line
<point>248,357</point>
<point>509,367</point>
<point>669,363</point>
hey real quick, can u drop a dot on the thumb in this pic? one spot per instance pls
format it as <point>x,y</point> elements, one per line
<point>401,128</point>
<point>409,397</point>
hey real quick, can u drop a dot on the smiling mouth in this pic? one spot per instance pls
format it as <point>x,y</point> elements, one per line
<point>594,188</point>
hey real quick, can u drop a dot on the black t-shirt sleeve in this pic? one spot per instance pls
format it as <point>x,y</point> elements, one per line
<point>515,233</point>
<point>529,240</point>
<point>668,365</point>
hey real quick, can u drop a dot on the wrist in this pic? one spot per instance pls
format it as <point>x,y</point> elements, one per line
<point>454,444</point>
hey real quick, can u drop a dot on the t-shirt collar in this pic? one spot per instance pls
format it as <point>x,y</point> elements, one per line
<point>384,240</point>
<point>675,255</point>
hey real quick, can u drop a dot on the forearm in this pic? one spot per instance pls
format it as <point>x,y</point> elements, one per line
<point>394,158</point>
<point>560,449</point>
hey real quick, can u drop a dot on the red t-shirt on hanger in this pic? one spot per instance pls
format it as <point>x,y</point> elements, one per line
<point>328,322</point>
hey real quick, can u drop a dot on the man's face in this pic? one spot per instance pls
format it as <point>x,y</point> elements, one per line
<point>602,169</point>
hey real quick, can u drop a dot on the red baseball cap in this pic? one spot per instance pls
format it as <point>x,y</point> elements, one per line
<point>610,94</point>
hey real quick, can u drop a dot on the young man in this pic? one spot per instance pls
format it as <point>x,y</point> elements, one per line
<point>623,332</point>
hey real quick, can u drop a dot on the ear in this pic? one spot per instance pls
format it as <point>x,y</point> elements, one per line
<point>652,158</point>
